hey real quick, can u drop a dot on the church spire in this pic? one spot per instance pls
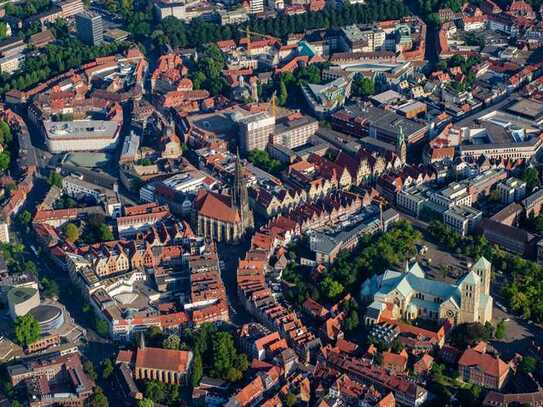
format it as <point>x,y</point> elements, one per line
<point>238,183</point>
<point>240,196</point>
<point>401,148</point>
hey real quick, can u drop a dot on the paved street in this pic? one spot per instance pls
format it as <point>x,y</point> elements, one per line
<point>230,255</point>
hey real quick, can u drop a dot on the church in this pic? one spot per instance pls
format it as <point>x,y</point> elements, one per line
<point>409,295</point>
<point>221,217</point>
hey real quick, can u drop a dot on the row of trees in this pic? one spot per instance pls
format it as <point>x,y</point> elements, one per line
<point>349,269</point>
<point>56,58</point>
<point>6,141</point>
<point>27,8</point>
<point>177,34</point>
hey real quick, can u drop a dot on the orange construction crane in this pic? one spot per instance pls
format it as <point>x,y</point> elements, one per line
<point>273,105</point>
<point>248,33</point>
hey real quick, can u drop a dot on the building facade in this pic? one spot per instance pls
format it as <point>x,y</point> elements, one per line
<point>90,28</point>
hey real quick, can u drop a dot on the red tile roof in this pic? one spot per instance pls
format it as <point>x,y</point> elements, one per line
<point>491,365</point>
<point>216,206</point>
<point>164,359</point>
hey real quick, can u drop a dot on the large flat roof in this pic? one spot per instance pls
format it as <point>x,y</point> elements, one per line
<point>532,109</point>
<point>81,129</point>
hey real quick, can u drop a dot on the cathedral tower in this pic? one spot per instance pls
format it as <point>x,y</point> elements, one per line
<point>470,298</point>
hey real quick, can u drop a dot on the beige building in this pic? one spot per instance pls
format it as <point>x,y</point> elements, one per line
<point>255,131</point>
<point>21,300</point>
<point>410,295</point>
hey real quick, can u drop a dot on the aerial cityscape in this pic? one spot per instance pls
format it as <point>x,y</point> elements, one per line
<point>329,203</point>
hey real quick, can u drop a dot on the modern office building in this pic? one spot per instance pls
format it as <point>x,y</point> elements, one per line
<point>255,131</point>
<point>294,130</point>
<point>167,8</point>
<point>90,28</point>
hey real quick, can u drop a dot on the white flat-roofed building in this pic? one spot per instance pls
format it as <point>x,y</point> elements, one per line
<point>413,199</point>
<point>455,194</point>
<point>130,148</point>
<point>185,182</point>
<point>11,63</point>
<point>81,135</point>
<point>167,8</point>
<point>294,130</point>
<point>462,219</point>
<point>78,188</point>
<point>70,8</point>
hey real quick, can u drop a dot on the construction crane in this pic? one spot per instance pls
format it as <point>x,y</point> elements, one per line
<point>273,104</point>
<point>248,33</point>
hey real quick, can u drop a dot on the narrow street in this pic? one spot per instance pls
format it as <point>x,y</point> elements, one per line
<point>230,255</point>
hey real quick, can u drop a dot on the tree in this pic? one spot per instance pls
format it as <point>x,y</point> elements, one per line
<point>71,232</point>
<point>528,364</point>
<point>145,403</point>
<point>96,220</point>
<point>197,370</point>
<point>468,334</point>
<point>153,335</point>
<point>396,346</point>
<point>227,364</point>
<point>104,233</point>
<point>89,369</point>
<point>352,321</point>
<point>50,287</point>
<point>107,369</point>
<point>291,399</point>
<point>25,217</point>
<point>31,267</point>
<point>55,179</point>
<point>331,288</point>
<point>98,399</point>
<point>3,30</point>
<point>363,86</point>
<point>27,330</point>
<point>500,330</point>
<point>101,326</point>
<point>531,177</point>
<point>4,160</point>
<point>155,391</point>
<point>262,160</point>
<point>172,342</point>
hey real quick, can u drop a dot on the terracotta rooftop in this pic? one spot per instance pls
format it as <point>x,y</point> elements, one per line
<point>216,206</point>
<point>491,365</point>
<point>165,359</point>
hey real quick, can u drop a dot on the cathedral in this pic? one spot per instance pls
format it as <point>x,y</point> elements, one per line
<point>409,295</point>
<point>221,217</point>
